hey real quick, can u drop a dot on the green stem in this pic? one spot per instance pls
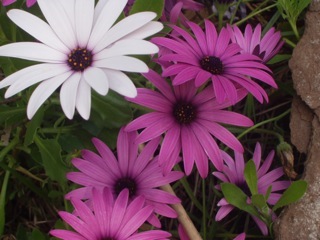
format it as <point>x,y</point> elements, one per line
<point>262,123</point>
<point>204,221</point>
<point>3,199</point>
<point>294,28</point>
<point>9,147</point>
<point>255,13</point>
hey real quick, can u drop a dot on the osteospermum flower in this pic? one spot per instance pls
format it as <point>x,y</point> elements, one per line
<point>211,56</point>
<point>8,2</point>
<point>190,122</point>
<point>111,219</point>
<point>233,172</point>
<point>81,48</point>
<point>136,172</point>
<point>251,41</point>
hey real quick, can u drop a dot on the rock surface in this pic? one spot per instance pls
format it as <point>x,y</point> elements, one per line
<point>302,220</point>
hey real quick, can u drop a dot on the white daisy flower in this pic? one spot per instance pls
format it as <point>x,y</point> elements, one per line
<point>80,48</point>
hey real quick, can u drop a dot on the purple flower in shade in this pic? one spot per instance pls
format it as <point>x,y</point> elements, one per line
<point>190,122</point>
<point>212,56</point>
<point>79,49</point>
<point>8,2</point>
<point>110,219</point>
<point>241,236</point>
<point>252,42</point>
<point>233,172</point>
<point>134,171</point>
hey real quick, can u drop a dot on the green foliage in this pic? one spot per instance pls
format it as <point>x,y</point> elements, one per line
<point>296,190</point>
<point>250,175</point>
<point>50,151</point>
<point>291,10</point>
<point>236,197</point>
<point>152,6</point>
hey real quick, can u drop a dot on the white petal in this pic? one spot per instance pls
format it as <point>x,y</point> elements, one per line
<point>15,76</point>
<point>68,6</point>
<point>37,28</point>
<point>68,94</point>
<point>147,30</point>
<point>124,27</point>
<point>127,47</point>
<point>84,11</point>
<point>109,14</point>
<point>123,63</point>
<point>56,16</point>
<point>97,79</point>
<point>25,81</point>
<point>121,83</point>
<point>100,5</point>
<point>33,51</point>
<point>83,102</point>
<point>43,91</point>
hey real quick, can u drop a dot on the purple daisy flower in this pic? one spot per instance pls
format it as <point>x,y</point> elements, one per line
<point>111,219</point>
<point>233,172</point>
<point>252,42</point>
<point>190,122</point>
<point>212,56</point>
<point>134,171</point>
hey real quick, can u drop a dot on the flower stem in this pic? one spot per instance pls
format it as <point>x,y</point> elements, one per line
<point>183,217</point>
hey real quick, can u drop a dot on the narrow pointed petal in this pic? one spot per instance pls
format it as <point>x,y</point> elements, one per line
<point>122,63</point>
<point>32,51</point>
<point>61,25</point>
<point>109,13</point>
<point>84,11</point>
<point>68,94</point>
<point>43,91</point>
<point>37,28</point>
<point>145,31</point>
<point>83,101</point>
<point>30,78</point>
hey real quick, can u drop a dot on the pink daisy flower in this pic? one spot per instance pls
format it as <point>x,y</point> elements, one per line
<point>212,56</point>
<point>8,2</point>
<point>111,219</point>
<point>134,171</point>
<point>190,122</point>
<point>252,42</point>
<point>233,172</point>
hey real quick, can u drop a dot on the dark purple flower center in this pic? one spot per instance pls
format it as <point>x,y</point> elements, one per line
<point>212,65</point>
<point>184,113</point>
<point>79,59</point>
<point>128,183</point>
<point>108,238</point>
<point>245,188</point>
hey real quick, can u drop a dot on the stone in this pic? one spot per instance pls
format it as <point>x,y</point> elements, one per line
<point>302,219</point>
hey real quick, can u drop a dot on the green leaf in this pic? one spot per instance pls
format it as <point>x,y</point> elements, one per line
<point>236,197</point>
<point>50,151</point>
<point>292,194</point>
<point>250,174</point>
<point>280,58</point>
<point>37,235</point>
<point>9,112</point>
<point>32,127</point>
<point>152,6</point>
<point>112,110</point>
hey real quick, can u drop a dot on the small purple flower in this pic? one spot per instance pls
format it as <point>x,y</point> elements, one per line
<point>252,42</point>
<point>8,2</point>
<point>233,172</point>
<point>211,56</point>
<point>111,218</point>
<point>131,170</point>
<point>190,121</point>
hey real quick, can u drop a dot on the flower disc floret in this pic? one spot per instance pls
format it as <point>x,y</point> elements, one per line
<point>79,59</point>
<point>127,183</point>
<point>184,113</point>
<point>212,64</point>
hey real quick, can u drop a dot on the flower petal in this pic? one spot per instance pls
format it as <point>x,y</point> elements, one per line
<point>68,94</point>
<point>122,63</point>
<point>97,79</point>
<point>37,28</point>
<point>83,101</point>
<point>43,91</point>
<point>84,11</point>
